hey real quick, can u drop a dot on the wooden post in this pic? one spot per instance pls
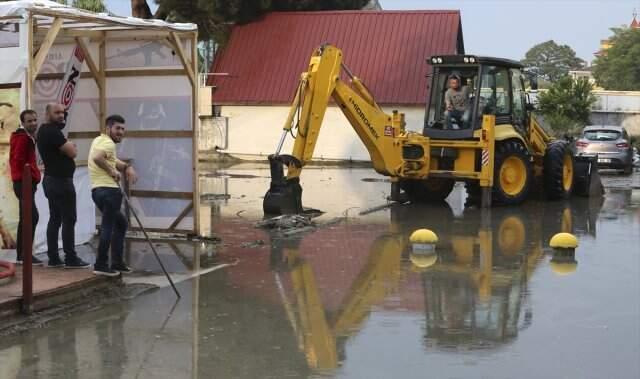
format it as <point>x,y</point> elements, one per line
<point>27,240</point>
<point>196,133</point>
<point>102,96</point>
<point>189,66</point>
<point>46,44</point>
<point>29,78</point>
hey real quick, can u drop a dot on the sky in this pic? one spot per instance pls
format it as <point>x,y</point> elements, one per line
<point>508,28</point>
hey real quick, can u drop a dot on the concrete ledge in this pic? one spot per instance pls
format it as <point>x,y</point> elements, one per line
<point>52,287</point>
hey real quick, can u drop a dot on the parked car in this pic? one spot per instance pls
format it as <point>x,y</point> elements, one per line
<point>610,143</point>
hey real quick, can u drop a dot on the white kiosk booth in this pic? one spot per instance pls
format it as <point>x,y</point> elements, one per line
<point>144,70</point>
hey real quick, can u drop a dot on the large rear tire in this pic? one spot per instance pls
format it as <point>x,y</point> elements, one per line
<point>429,190</point>
<point>512,173</point>
<point>558,171</point>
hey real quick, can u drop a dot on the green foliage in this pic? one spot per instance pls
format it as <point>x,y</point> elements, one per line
<point>214,16</point>
<point>90,5</point>
<point>552,61</point>
<point>619,68</point>
<point>566,106</point>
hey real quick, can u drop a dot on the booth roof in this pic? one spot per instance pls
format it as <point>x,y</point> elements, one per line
<point>20,9</point>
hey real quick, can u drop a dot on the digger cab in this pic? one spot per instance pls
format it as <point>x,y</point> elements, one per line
<point>464,88</point>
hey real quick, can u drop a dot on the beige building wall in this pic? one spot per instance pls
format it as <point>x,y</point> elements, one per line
<point>254,132</point>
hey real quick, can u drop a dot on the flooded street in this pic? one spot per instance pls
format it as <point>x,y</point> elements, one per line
<point>350,299</point>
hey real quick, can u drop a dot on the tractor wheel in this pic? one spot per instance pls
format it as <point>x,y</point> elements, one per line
<point>428,190</point>
<point>512,173</point>
<point>558,170</point>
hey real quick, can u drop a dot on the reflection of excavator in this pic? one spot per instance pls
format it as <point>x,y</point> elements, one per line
<point>321,335</point>
<point>475,291</point>
<point>498,151</point>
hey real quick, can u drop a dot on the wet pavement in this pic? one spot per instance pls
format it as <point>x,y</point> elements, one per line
<point>351,299</point>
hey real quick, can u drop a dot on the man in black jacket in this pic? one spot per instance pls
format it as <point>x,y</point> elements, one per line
<point>58,156</point>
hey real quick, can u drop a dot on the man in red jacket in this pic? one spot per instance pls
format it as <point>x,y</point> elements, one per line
<point>23,151</point>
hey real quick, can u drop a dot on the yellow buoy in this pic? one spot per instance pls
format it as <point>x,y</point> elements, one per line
<point>423,236</point>
<point>563,241</point>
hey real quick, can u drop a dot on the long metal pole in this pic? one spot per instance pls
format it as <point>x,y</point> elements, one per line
<point>135,215</point>
<point>27,267</point>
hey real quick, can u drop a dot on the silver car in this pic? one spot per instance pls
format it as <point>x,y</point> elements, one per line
<point>610,143</point>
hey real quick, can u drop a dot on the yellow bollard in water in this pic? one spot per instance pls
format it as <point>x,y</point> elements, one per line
<point>563,241</point>
<point>563,261</point>
<point>423,248</point>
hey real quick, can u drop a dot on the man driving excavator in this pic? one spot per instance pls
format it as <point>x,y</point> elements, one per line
<point>457,103</point>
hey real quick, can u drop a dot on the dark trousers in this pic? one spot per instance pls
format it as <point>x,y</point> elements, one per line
<point>17,189</point>
<point>61,194</point>
<point>113,226</point>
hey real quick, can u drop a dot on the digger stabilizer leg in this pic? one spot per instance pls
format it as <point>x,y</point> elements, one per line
<point>587,178</point>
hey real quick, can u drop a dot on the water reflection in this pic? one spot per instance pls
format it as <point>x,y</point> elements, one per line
<point>296,307</point>
<point>475,293</point>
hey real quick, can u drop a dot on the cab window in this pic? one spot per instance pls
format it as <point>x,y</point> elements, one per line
<point>495,97</point>
<point>437,107</point>
<point>519,97</point>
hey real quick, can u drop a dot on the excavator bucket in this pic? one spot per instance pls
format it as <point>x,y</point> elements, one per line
<point>284,195</point>
<point>587,179</point>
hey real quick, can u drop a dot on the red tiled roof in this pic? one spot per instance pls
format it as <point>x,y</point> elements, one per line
<point>386,49</point>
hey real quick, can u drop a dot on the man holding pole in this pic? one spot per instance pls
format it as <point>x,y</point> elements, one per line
<point>22,151</point>
<point>105,170</point>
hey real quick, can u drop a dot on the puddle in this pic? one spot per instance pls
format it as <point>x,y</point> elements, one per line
<point>352,299</point>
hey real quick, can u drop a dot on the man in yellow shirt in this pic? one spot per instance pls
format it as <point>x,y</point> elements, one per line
<point>105,172</point>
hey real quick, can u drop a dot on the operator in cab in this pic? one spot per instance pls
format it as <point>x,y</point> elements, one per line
<point>457,103</point>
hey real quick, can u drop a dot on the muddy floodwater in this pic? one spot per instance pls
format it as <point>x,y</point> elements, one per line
<point>352,298</point>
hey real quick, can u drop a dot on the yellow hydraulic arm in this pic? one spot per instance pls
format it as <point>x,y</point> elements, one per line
<point>320,83</point>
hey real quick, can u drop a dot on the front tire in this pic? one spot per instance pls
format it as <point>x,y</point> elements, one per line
<point>558,171</point>
<point>512,173</point>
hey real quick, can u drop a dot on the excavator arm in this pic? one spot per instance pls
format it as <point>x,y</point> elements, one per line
<point>378,130</point>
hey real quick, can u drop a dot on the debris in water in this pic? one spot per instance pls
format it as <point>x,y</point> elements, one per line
<point>285,222</point>
<point>252,244</point>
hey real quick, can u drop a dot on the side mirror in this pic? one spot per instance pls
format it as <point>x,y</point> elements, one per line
<point>533,82</point>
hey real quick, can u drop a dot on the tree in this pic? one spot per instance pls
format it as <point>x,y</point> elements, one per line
<point>619,67</point>
<point>214,16</point>
<point>551,60</point>
<point>90,5</point>
<point>567,104</point>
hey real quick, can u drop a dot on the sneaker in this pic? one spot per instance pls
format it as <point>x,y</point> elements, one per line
<point>122,268</point>
<point>75,262</point>
<point>55,262</point>
<point>105,271</point>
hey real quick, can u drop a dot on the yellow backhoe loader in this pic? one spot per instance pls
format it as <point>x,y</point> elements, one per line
<point>498,148</point>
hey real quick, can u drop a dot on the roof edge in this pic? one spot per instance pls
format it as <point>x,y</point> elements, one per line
<point>403,11</point>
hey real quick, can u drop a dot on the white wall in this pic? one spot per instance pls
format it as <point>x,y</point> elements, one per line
<point>254,132</point>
